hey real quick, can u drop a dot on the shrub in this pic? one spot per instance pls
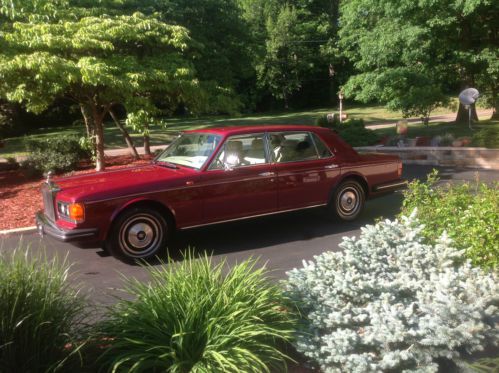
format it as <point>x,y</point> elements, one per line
<point>468,212</point>
<point>58,154</point>
<point>389,302</point>
<point>193,318</point>
<point>446,140</point>
<point>322,121</point>
<point>352,131</point>
<point>40,314</point>
<point>486,138</point>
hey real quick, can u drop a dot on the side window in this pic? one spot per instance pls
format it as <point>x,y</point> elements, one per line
<point>240,151</point>
<point>322,149</point>
<point>292,147</point>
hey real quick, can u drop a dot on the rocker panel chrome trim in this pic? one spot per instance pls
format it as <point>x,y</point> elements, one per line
<point>252,216</point>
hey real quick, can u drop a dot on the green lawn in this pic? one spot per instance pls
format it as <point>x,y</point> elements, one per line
<point>160,135</point>
<point>434,129</point>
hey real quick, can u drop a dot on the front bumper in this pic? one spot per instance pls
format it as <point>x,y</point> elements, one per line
<point>46,226</point>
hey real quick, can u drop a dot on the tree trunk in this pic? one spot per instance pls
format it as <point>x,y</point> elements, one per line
<point>89,121</point>
<point>147,142</point>
<point>100,162</point>
<point>495,106</point>
<point>285,97</point>
<point>126,135</point>
<point>463,114</point>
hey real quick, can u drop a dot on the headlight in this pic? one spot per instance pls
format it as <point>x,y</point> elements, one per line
<point>72,211</point>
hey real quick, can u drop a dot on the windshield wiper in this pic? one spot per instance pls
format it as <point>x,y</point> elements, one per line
<point>166,164</point>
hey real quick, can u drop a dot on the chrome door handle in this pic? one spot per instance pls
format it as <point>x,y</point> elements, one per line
<point>332,166</point>
<point>267,174</point>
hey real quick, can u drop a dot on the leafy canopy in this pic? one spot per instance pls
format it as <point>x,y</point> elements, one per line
<point>105,59</point>
<point>410,53</point>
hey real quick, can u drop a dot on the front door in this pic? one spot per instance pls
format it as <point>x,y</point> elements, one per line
<point>241,181</point>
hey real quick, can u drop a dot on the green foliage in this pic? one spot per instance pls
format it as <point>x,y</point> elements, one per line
<point>353,131</point>
<point>322,121</point>
<point>97,61</point>
<point>41,316</point>
<point>282,66</point>
<point>57,154</point>
<point>468,212</point>
<point>486,138</point>
<point>407,54</point>
<point>193,318</point>
<point>391,303</point>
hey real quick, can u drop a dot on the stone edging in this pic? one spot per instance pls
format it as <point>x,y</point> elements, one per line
<point>17,230</point>
<point>441,156</point>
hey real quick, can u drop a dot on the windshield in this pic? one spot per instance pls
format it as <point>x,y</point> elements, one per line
<point>190,149</point>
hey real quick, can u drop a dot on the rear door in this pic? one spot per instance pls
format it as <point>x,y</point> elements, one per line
<point>241,180</point>
<point>306,169</point>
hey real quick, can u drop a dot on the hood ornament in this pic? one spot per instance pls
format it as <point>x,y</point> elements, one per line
<point>53,187</point>
<point>49,177</point>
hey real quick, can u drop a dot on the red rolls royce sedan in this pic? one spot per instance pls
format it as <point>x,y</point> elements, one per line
<point>211,176</point>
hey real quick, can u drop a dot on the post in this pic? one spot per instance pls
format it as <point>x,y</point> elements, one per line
<point>340,96</point>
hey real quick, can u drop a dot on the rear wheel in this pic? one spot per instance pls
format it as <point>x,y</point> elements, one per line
<point>348,200</point>
<point>138,233</point>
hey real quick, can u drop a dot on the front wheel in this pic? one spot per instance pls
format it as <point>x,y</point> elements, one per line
<point>348,200</point>
<point>138,233</point>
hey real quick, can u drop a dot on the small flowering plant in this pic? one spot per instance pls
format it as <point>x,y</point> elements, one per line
<point>390,302</point>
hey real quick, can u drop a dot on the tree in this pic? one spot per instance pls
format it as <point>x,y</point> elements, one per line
<point>96,61</point>
<point>281,68</point>
<point>441,46</point>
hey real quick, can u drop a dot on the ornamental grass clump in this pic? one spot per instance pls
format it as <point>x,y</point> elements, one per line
<point>41,315</point>
<point>191,317</point>
<point>391,303</point>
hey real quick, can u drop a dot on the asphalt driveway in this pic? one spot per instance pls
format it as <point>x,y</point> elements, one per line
<point>282,241</point>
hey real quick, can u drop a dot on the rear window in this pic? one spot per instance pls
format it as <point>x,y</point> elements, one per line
<point>322,149</point>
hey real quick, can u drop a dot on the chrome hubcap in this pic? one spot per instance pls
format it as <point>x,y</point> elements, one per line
<point>348,201</point>
<point>140,235</point>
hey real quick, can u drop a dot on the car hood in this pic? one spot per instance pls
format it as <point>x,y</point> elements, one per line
<point>122,182</point>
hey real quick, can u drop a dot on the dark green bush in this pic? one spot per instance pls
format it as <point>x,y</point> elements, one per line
<point>355,133</point>
<point>41,316</point>
<point>486,138</point>
<point>192,317</point>
<point>322,121</point>
<point>58,154</point>
<point>468,212</point>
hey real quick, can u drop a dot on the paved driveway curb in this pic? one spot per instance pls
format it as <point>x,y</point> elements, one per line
<point>17,230</point>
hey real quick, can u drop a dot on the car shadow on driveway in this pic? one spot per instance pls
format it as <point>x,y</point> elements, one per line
<point>303,226</point>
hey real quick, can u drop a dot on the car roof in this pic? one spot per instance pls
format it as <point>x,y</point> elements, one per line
<point>236,130</point>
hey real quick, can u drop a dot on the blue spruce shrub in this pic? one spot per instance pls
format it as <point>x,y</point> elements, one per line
<point>390,302</point>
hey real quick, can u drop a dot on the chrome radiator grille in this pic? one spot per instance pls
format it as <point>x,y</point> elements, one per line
<point>48,201</point>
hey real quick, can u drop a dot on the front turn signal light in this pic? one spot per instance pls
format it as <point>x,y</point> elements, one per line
<point>77,212</point>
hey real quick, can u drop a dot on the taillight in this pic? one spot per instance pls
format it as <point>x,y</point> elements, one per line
<point>399,169</point>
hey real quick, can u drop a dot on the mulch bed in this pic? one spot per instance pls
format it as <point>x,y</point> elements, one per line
<point>20,196</point>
